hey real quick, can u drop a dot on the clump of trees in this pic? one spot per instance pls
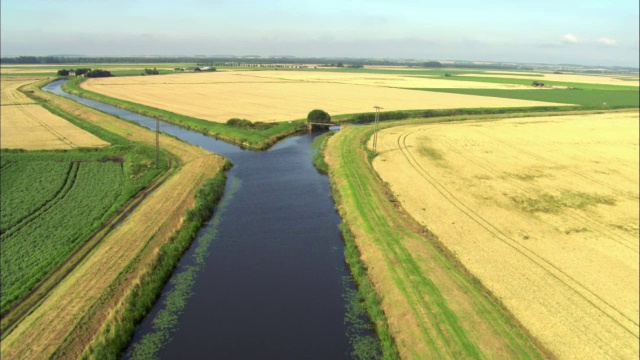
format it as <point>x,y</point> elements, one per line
<point>84,71</point>
<point>153,71</point>
<point>248,124</point>
<point>537,84</point>
<point>319,116</point>
<point>95,73</point>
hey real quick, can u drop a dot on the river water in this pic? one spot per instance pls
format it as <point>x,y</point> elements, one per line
<point>266,277</point>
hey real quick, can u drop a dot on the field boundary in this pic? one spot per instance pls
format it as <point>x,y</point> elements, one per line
<point>356,148</point>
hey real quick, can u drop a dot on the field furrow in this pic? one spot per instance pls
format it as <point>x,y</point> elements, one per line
<point>41,211</point>
<point>544,211</point>
<point>433,308</point>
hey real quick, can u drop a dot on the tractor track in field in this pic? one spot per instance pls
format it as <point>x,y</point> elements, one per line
<point>70,180</point>
<point>427,294</point>
<point>594,225</point>
<point>35,296</point>
<point>575,286</point>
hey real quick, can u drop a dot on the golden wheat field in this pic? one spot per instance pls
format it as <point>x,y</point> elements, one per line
<point>32,127</point>
<point>259,96</point>
<point>543,210</point>
<point>385,80</point>
<point>10,93</point>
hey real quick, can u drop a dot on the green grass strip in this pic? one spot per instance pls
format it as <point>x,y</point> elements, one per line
<point>515,81</point>
<point>367,205</point>
<point>590,98</point>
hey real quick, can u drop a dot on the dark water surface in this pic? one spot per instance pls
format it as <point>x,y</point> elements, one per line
<point>266,277</point>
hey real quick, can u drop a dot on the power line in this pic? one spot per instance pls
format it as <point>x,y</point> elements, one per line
<point>375,133</point>
<point>157,143</point>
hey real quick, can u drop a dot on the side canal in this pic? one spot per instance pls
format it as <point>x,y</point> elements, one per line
<point>266,277</point>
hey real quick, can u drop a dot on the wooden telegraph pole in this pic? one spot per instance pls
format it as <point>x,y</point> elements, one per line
<point>157,143</point>
<point>375,132</point>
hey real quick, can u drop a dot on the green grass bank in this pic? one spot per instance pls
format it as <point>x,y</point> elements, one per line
<point>253,138</point>
<point>432,305</point>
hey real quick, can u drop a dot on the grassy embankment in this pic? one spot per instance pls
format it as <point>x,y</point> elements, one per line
<point>433,307</point>
<point>257,139</point>
<point>367,300</point>
<point>101,300</point>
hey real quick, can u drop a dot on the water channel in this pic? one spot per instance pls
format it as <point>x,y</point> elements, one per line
<point>265,277</point>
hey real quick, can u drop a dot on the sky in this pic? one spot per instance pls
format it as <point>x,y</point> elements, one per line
<point>585,32</point>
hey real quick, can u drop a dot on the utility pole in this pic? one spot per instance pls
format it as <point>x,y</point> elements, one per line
<point>375,132</point>
<point>157,143</point>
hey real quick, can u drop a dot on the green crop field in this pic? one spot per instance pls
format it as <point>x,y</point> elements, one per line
<point>514,81</point>
<point>47,234</point>
<point>587,98</point>
<point>52,202</point>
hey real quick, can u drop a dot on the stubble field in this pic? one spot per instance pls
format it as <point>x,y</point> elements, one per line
<point>288,95</point>
<point>544,211</point>
<point>10,93</point>
<point>27,125</point>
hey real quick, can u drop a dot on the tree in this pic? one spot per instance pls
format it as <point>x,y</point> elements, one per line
<point>82,71</point>
<point>63,72</point>
<point>319,116</point>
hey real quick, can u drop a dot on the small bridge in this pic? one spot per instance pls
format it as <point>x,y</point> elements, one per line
<point>311,126</point>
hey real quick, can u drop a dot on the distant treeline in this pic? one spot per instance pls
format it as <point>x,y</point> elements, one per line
<point>470,65</point>
<point>189,59</point>
<point>238,61</point>
<point>222,59</point>
<point>86,72</point>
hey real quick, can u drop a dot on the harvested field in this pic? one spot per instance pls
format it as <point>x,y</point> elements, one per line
<point>10,93</point>
<point>433,309</point>
<point>570,78</point>
<point>384,80</point>
<point>73,313</point>
<point>32,127</point>
<point>5,71</point>
<point>543,210</point>
<point>256,96</point>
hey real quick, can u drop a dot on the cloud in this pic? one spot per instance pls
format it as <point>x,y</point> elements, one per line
<point>607,41</point>
<point>570,39</point>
